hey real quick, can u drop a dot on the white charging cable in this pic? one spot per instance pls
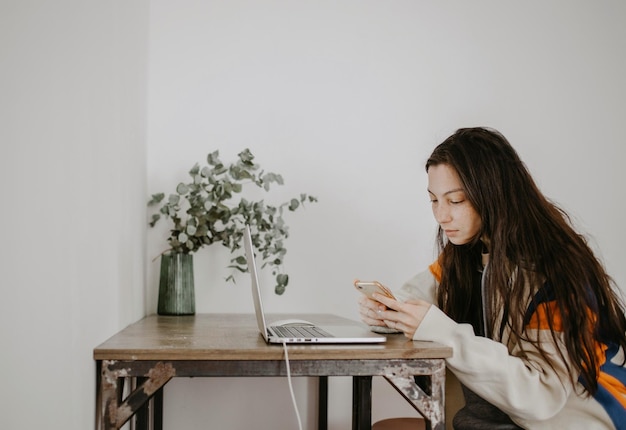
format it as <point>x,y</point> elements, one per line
<point>293,397</point>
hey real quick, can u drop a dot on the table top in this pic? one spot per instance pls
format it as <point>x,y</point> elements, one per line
<point>236,337</point>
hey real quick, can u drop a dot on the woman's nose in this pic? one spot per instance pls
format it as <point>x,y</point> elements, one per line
<point>442,214</point>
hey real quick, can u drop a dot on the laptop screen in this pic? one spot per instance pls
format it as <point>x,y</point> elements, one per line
<point>256,289</point>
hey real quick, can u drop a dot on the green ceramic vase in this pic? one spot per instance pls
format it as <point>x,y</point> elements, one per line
<point>176,287</point>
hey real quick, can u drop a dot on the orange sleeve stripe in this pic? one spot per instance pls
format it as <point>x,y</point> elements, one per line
<point>542,316</point>
<point>540,321</point>
<point>435,269</point>
<point>614,387</point>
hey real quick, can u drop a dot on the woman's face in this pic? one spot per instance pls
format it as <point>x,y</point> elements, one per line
<point>452,210</point>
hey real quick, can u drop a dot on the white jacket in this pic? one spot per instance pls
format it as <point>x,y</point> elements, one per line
<point>534,395</point>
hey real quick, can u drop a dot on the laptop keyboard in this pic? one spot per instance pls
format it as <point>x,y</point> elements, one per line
<point>300,331</point>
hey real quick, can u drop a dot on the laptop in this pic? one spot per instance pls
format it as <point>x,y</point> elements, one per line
<point>297,330</point>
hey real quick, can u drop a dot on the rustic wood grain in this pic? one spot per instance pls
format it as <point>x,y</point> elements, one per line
<point>236,337</point>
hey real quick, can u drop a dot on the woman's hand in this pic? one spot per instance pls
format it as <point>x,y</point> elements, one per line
<point>403,316</point>
<point>370,311</point>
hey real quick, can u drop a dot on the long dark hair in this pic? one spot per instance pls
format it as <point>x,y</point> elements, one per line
<point>531,243</point>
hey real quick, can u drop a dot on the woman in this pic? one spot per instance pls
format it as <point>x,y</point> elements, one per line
<point>537,330</point>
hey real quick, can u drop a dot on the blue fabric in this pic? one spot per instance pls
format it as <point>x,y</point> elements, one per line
<point>612,406</point>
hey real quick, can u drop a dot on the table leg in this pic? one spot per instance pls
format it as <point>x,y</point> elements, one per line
<point>112,412</point>
<point>157,413</point>
<point>99,400</point>
<point>150,415</point>
<point>109,389</point>
<point>429,398</point>
<point>361,403</point>
<point>322,407</point>
<point>144,413</point>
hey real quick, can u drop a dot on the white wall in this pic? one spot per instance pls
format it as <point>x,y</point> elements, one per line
<point>347,99</point>
<point>72,184</point>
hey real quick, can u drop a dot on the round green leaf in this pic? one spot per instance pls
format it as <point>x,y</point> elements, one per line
<point>182,189</point>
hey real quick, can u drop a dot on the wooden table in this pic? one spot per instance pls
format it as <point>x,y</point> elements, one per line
<point>150,352</point>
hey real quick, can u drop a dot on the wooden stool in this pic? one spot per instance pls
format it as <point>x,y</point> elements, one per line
<point>399,424</point>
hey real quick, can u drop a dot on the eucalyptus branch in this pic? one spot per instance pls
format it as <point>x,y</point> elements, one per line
<point>204,211</point>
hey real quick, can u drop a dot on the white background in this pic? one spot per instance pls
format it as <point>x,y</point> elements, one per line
<point>104,103</point>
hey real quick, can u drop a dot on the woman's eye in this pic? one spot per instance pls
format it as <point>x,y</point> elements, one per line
<point>456,202</point>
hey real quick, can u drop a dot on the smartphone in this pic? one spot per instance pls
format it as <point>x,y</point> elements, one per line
<point>370,287</point>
